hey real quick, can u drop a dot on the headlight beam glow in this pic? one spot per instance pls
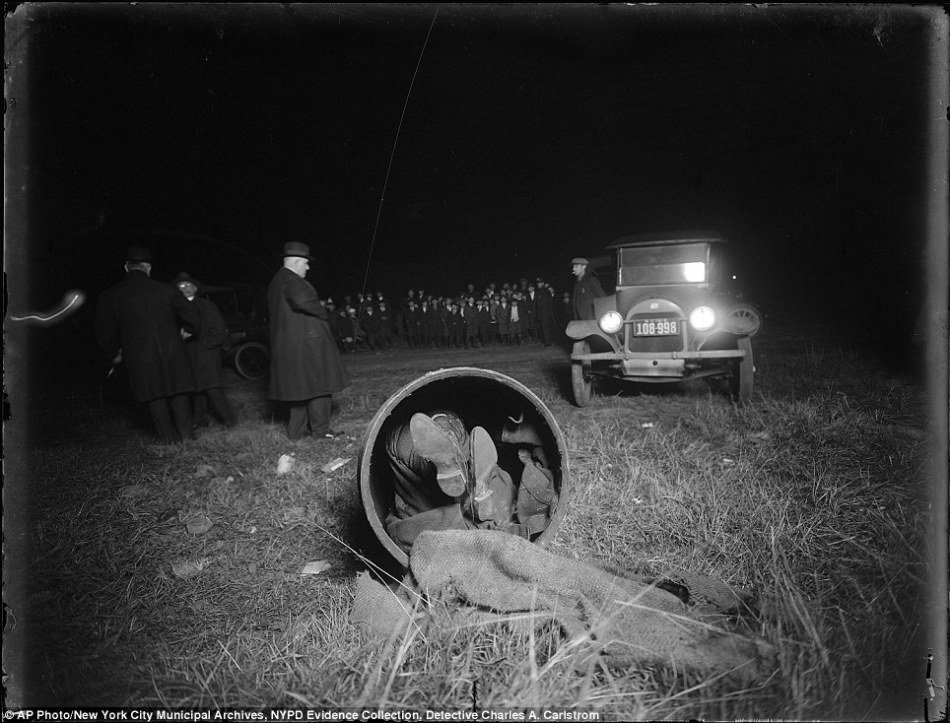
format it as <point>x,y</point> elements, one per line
<point>611,322</point>
<point>702,318</point>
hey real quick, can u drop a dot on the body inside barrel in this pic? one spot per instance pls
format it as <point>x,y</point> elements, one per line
<point>513,416</point>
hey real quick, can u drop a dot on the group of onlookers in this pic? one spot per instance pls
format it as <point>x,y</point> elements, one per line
<point>510,314</point>
<point>171,341</point>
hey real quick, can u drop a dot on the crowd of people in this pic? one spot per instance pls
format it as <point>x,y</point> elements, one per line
<point>172,341</point>
<point>524,312</point>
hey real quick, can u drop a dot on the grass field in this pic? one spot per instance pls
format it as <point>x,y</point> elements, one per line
<point>172,576</point>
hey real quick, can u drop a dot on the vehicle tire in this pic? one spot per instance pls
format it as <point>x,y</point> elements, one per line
<point>581,380</point>
<point>252,360</point>
<point>743,375</point>
<point>743,319</point>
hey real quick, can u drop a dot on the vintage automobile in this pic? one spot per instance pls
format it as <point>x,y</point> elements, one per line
<point>669,317</point>
<point>244,310</point>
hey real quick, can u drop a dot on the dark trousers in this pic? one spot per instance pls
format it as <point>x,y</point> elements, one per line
<point>419,504</point>
<point>172,417</point>
<point>314,411</point>
<point>545,331</point>
<point>220,404</point>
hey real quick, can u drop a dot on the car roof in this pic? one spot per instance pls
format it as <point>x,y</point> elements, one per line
<point>666,238</point>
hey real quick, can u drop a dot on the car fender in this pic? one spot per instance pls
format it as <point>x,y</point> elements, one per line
<point>589,330</point>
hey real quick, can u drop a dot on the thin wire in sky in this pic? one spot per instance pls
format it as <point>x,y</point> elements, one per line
<point>392,155</point>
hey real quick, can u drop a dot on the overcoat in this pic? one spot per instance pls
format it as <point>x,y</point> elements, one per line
<point>304,359</point>
<point>434,322</point>
<point>372,326</point>
<point>207,348</point>
<point>545,307</point>
<point>470,317</point>
<point>528,310</point>
<point>586,288</point>
<point>144,318</point>
<point>415,322</point>
<point>503,316</point>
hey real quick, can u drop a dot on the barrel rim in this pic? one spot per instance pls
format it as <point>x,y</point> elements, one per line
<point>389,406</point>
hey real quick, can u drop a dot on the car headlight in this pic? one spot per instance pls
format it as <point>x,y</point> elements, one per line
<point>702,318</point>
<point>611,322</point>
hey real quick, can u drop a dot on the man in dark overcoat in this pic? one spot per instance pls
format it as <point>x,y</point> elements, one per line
<point>433,323</point>
<point>414,322</point>
<point>545,313</point>
<point>371,325</point>
<point>138,322</point>
<point>305,364</point>
<point>386,324</point>
<point>207,354</point>
<point>586,288</point>
<point>470,320</point>
<point>528,307</point>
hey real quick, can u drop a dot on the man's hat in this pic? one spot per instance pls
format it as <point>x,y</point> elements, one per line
<point>580,260</point>
<point>138,254</point>
<point>295,248</point>
<point>185,276</point>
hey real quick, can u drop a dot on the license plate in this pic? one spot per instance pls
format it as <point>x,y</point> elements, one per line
<point>656,327</point>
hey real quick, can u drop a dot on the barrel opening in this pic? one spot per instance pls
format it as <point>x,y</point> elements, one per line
<point>480,397</point>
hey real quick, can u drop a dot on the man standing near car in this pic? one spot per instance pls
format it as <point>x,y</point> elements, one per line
<point>138,323</point>
<point>305,365</point>
<point>545,313</point>
<point>586,289</point>
<point>206,351</point>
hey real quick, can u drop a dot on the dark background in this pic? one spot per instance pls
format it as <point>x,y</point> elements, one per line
<point>812,137</point>
<point>532,133</point>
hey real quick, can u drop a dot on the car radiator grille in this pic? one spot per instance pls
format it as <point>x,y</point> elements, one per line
<point>655,343</point>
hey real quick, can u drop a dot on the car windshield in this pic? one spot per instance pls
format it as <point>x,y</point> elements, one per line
<point>663,265</point>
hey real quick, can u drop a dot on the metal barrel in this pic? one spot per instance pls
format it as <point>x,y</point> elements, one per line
<point>481,397</point>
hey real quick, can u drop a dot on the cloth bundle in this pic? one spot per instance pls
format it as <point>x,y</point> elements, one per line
<point>628,620</point>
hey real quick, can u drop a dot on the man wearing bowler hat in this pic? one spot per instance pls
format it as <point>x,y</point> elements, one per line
<point>305,365</point>
<point>138,322</point>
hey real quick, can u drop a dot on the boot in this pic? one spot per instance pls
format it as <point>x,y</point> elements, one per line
<point>537,498</point>
<point>433,443</point>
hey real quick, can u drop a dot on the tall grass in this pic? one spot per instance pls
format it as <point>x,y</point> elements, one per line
<point>811,496</point>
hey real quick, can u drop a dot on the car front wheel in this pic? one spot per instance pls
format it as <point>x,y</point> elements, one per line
<point>581,380</point>
<point>743,319</point>
<point>252,360</point>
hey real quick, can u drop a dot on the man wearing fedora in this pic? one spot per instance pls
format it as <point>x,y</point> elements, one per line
<point>138,323</point>
<point>206,351</point>
<point>305,364</point>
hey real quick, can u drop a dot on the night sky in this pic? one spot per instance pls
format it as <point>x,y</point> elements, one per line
<point>532,133</point>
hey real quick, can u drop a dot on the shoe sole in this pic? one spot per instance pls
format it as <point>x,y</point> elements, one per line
<point>536,494</point>
<point>484,457</point>
<point>436,446</point>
